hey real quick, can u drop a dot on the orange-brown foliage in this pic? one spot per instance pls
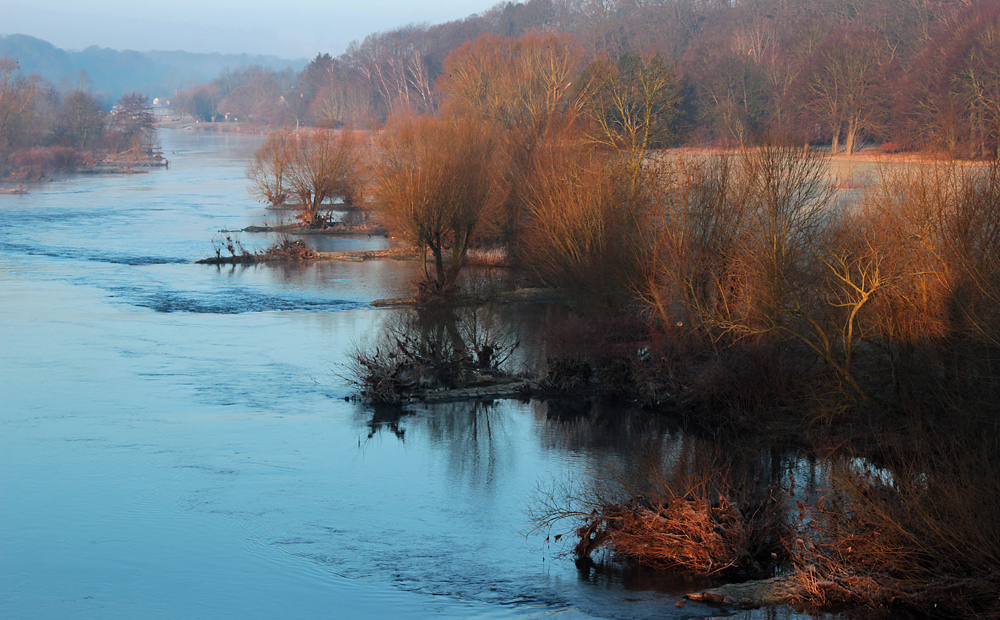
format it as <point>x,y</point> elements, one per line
<point>437,182</point>
<point>580,223</point>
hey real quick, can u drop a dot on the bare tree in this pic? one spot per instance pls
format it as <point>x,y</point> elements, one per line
<point>324,165</point>
<point>393,67</point>
<point>524,86</point>
<point>315,167</point>
<point>843,84</point>
<point>269,167</point>
<point>16,96</point>
<point>952,91</point>
<point>632,103</point>
<point>81,120</point>
<point>519,82</point>
<point>132,121</point>
<point>437,181</point>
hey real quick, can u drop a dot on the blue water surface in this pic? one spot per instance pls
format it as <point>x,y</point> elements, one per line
<point>175,440</point>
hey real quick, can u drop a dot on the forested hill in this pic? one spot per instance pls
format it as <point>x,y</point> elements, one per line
<point>110,73</point>
<point>908,74</point>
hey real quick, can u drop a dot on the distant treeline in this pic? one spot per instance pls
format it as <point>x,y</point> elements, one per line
<point>107,74</point>
<point>42,130</point>
<point>908,74</point>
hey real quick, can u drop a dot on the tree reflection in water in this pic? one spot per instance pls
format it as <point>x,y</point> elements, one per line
<point>637,474</point>
<point>473,434</point>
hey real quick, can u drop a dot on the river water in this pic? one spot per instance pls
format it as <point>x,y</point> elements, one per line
<point>175,440</point>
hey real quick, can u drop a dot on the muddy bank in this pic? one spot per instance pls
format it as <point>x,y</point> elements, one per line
<point>333,228</point>
<point>489,389</point>
<point>407,254</point>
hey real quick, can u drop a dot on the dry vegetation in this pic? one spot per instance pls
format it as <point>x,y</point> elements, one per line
<point>871,329</point>
<point>437,182</point>
<point>706,510</point>
<point>919,533</point>
<point>431,348</point>
<point>731,288</point>
<point>229,250</point>
<point>310,168</point>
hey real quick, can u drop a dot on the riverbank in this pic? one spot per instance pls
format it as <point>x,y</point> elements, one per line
<point>227,448</point>
<point>886,492</point>
<point>702,325</point>
<point>371,228</point>
<point>272,255</point>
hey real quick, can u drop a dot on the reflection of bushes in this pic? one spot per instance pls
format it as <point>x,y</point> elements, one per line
<point>912,527</point>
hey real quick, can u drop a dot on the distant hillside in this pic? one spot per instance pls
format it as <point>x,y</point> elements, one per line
<point>109,73</point>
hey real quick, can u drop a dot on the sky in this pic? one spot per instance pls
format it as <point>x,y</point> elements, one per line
<point>288,29</point>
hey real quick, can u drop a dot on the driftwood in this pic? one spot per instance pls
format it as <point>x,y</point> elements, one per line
<point>751,594</point>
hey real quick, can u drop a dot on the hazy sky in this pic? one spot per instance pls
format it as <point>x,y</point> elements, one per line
<point>289,29</point>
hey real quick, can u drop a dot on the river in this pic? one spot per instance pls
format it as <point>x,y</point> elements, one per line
<point>175,440</point>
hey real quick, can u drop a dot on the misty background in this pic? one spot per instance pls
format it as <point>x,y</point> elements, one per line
<point>111,47</point>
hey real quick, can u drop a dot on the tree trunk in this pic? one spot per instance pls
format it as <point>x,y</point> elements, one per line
<point>458,256</point>
<point>438,264</point>
<point>852,130</point>
<point>311,215</point>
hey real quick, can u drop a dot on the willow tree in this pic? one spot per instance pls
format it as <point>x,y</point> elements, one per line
<point>437,182</point>
<point>523,85</point>
<point>268,169</point>
<point>309,167</point>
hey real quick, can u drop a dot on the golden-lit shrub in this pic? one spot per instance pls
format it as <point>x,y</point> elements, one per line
<point>437,184</point>
<point>522,86</point>
<point>310,168</point>
<point>783,193</point>
<point>581,224</point>
<point>924,245</point>
<point>703,510</point>
<point>727,239</point>
<point>687,240</point>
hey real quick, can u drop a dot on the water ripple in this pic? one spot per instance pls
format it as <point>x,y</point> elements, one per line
<point>238,301</point>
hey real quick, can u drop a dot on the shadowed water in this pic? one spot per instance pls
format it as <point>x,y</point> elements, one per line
<point>175,440</point>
